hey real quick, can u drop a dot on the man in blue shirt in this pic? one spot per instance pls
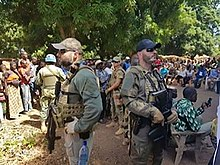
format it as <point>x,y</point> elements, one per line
<point>103,77</point>
<point>213,77</point>
<point>200,75</point>
<point>126,63</point>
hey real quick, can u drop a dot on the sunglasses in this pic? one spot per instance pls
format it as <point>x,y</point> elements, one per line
<point>62,51</point>
<point>150,49</point>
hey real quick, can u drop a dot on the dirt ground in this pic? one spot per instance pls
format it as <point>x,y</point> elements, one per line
<point>107,148</point>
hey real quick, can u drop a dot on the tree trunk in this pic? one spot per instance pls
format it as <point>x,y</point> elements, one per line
<point>62,32</point>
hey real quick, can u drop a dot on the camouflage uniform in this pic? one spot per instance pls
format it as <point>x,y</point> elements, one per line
<point>119,73</point>
<point>111,100</point>
<point>46,78</point>
<point>135,93</point>
<point>83,89</point>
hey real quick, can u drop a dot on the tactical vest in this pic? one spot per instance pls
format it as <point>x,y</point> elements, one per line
<point>152,81</point>
<point>64,111</point>
<point>156,92</point>
<point>49,78</point>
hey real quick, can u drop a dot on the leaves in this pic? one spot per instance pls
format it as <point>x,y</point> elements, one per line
<point>107,27</point>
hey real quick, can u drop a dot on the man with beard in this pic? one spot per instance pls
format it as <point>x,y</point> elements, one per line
<point>83,105</point>
<point>139,85</point>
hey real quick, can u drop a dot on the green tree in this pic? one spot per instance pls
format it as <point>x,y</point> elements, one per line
<point>200,30</point>
<point>107,27</point>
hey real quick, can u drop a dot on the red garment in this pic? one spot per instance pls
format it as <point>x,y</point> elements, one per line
<point>24,73</point>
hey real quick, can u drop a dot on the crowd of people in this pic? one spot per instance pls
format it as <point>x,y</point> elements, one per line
<point>18,86</point>
<point>191,72</point>
<point>120,90</point>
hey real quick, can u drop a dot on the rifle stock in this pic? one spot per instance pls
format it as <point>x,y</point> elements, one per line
<point>51,130</point>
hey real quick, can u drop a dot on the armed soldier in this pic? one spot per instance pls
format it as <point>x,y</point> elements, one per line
<point>117,79</point>
<point>47,78</point>
<point>143,92</point>
<point>83,105</point>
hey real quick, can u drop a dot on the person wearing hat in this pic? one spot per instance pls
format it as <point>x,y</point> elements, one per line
<point>83,95</point>
<point>140,81</point>
<point>115,87</point>
<point>103,82</point>
<point>46,79</point>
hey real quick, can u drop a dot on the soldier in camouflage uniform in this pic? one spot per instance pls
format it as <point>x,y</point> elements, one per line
<point>136,96</point>
<point>134,62</point>
<point>84,95</point>
<point>117,79</point>
<point>46,78</point>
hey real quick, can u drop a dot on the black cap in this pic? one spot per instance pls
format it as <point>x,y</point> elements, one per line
<point>147,44</point>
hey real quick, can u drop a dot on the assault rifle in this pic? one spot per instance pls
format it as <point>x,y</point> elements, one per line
<point>163,101</point>
<point>51,125</point>
<point>51,130</point>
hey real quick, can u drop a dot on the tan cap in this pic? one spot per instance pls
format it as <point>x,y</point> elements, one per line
<point>98,62</point>
<point>116,59</point>
<point>68,44</point>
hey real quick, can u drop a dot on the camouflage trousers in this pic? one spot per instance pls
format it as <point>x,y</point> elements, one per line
<point>126,125</point>
<point>46,99</point>
<point>144,150</point>
<point>119,108</point>
<point>112,109</point>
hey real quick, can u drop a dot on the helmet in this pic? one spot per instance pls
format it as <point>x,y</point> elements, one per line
<point>50,58</point>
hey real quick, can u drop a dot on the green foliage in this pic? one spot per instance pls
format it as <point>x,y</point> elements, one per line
<point>11,36</point>
<point>40,52</point>
<point>107,27</point>
<point>76,16</point>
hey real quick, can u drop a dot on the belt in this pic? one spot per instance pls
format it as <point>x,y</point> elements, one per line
<point>67,93</point>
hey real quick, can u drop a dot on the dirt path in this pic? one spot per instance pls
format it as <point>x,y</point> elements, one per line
<point>107,148</point>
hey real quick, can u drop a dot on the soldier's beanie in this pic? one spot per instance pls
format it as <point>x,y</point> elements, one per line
<point>147,44</point>
<point>69,44</point>
<point>188,92</point>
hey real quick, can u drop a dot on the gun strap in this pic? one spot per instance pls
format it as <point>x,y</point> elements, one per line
<point>151,81</point>
<point>160,80</point>
<point>54,74</point>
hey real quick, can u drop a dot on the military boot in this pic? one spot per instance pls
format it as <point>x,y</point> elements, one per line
<point>119,131</point>
<point>43,127</point>
<point>112,124</point>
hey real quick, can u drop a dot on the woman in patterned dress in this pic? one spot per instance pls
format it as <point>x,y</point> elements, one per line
<point>13,90</point>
